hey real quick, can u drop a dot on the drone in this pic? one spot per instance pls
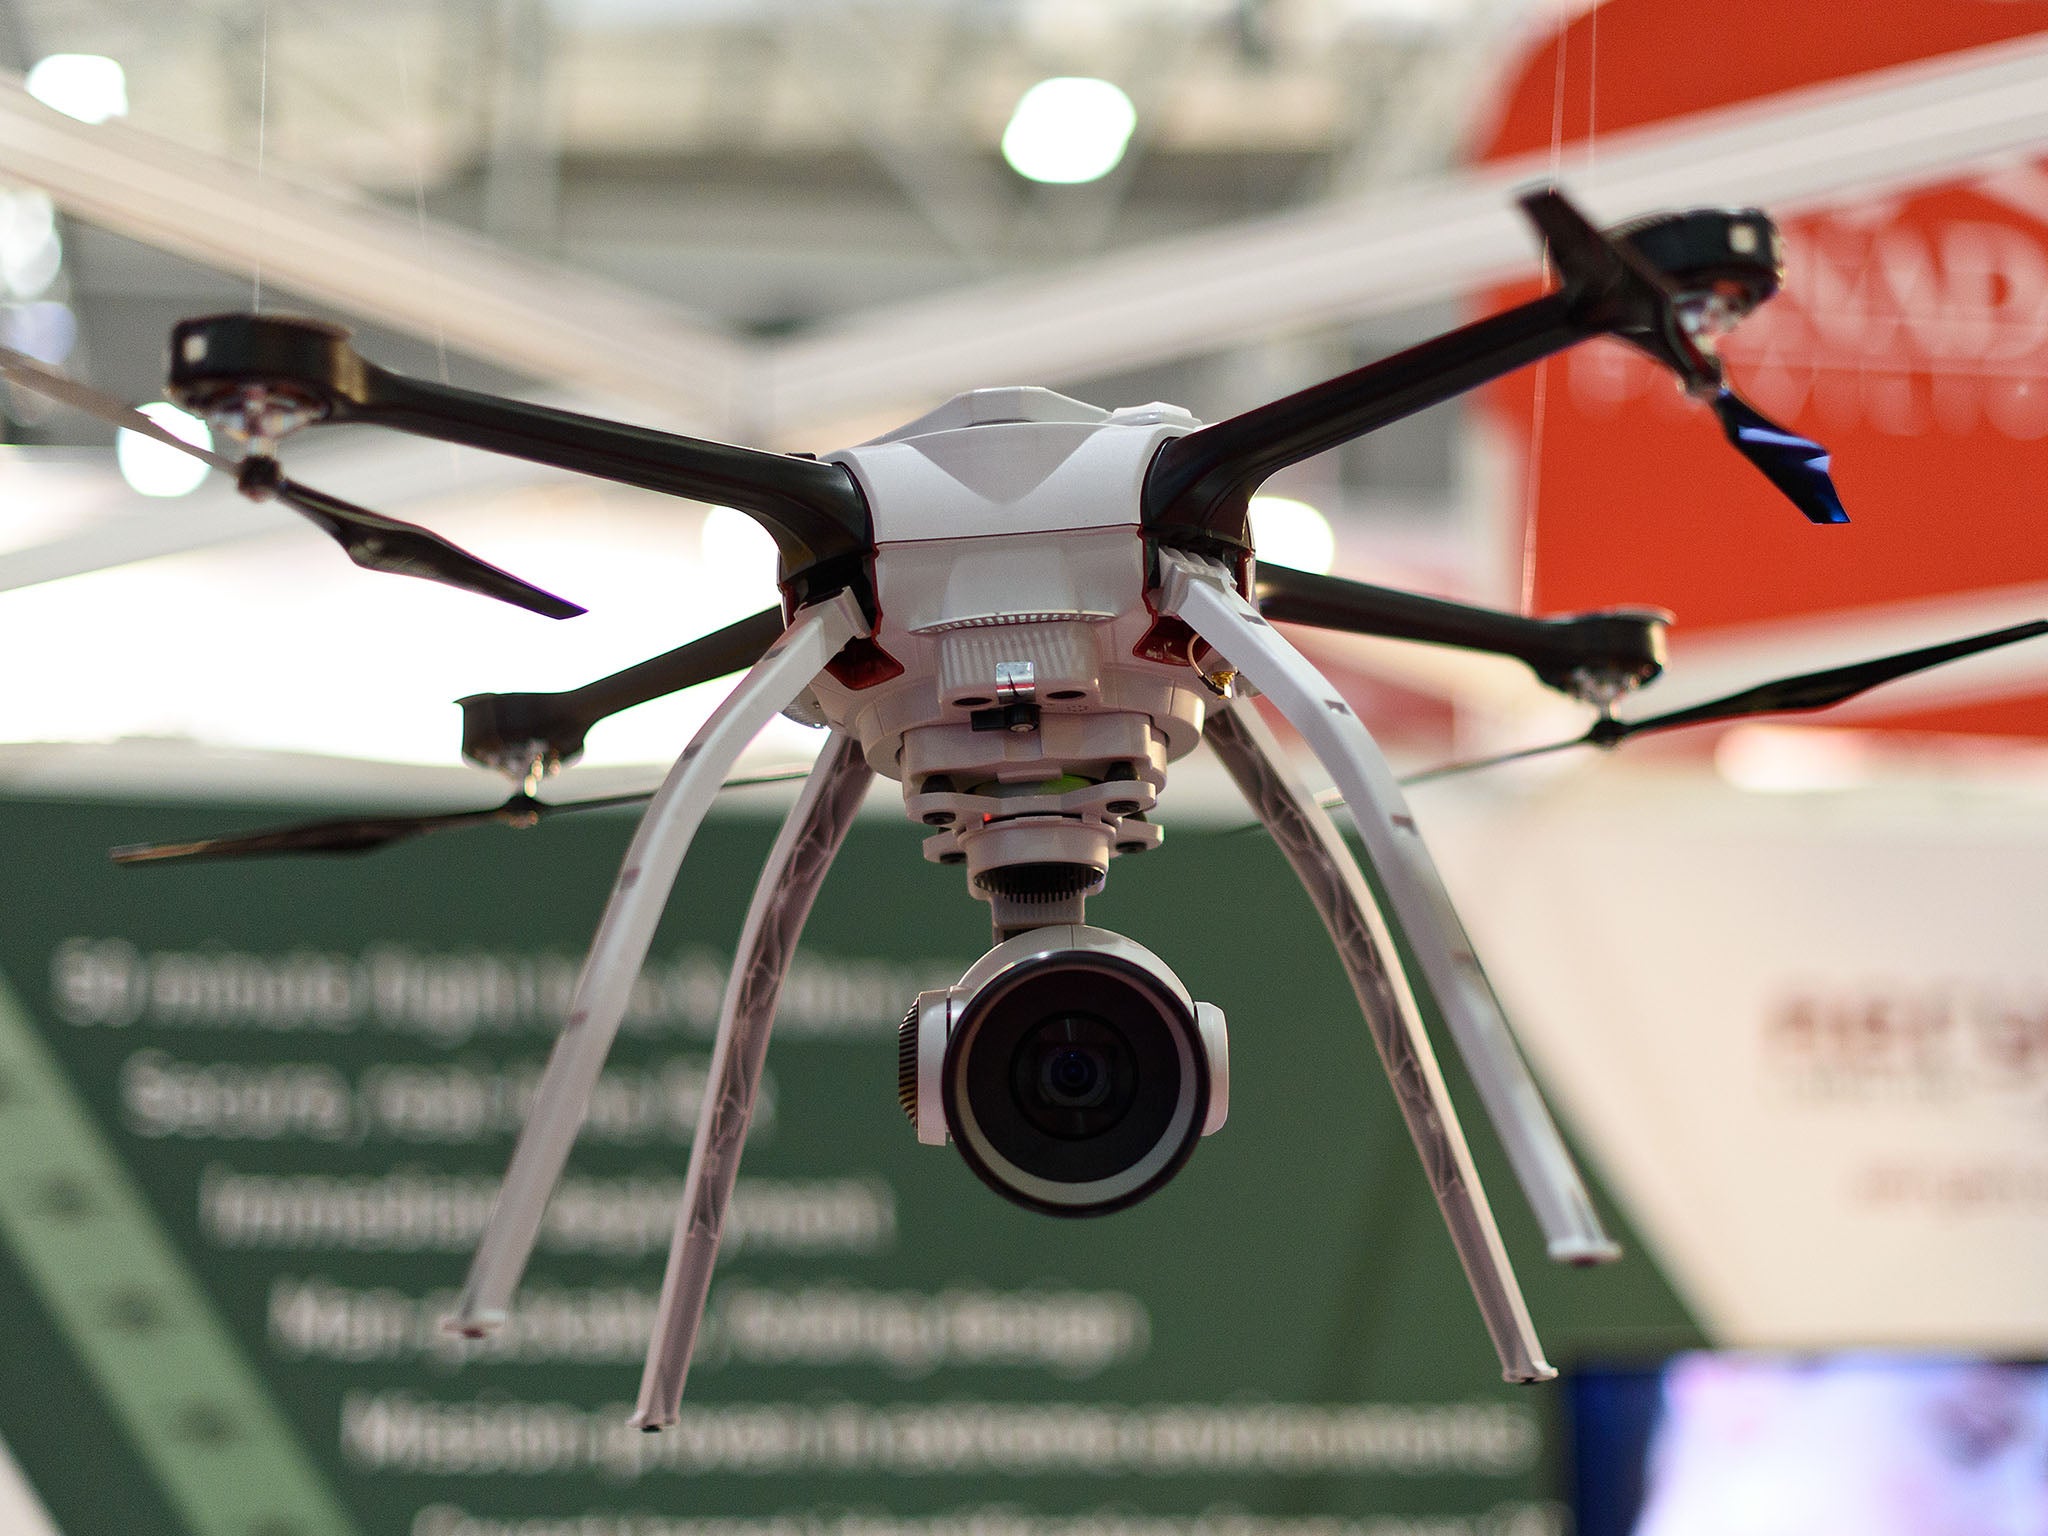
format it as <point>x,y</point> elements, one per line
<point>1024,609</point>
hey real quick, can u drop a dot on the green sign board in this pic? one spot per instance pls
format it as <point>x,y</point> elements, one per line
<point>252,1115</point>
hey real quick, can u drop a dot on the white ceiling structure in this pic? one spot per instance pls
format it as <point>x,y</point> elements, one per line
<point>1294,188</point>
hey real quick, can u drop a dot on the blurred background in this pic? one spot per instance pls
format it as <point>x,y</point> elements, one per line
<point>1783,979</point>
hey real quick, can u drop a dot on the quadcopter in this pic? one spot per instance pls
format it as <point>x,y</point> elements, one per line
<point>1024,609</point>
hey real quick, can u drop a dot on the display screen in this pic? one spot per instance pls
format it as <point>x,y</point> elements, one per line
<point>1755,1445</point>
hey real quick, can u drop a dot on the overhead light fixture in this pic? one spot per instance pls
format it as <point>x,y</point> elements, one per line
<point>31,253</point>
<point>88,86</point>
<point>1293,533</point>
<point>155,470</point>
<point>1068,130</point>
<point>45,330</point>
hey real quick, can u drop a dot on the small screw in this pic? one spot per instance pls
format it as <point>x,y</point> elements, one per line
<point>938,818</point>
<point>1123,807</point>
<point>955,857</point>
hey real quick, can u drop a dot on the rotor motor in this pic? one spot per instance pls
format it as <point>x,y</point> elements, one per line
<point>1723,261</point>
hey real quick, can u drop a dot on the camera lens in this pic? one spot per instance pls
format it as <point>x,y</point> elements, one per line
<point>1074,1075</point>
<point>1074,1081</point>
<point>1074,1078</point>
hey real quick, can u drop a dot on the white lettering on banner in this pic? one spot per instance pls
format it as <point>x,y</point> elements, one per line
<point>399,1432</point>
<point>1509,1519</point>
<point>438,1105</point>
<point>1074,1334</point>
<point>416,1212</point>
<point>453,1104</point>
<point>450,998</point>
<point>233,1101</point>
<point>1906,330</point>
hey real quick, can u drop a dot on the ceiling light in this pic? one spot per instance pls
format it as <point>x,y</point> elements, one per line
<point>1293,533</point>
<point>156,469</point>
<point>87,86</point>
<point>1069,129</point>
<point>46,330</point>
<point>30,251</point>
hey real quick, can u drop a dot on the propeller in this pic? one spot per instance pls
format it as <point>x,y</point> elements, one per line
<point>1788,695</point>
<point>29,373</point>
<point>1797,466</point>
<point>379,543</point>
<point>1650,305</point>
<point>366,834</point>
<point>373,541</point>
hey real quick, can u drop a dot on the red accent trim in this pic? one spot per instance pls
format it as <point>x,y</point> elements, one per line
<point>1169,642</point>
<point>862,664</point>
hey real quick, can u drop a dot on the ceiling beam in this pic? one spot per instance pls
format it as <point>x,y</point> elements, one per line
<point>426,279</point>
<point>1884,131</point>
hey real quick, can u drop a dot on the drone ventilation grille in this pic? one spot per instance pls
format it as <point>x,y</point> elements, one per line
<point>991,620</point>
<point>906,1063</point>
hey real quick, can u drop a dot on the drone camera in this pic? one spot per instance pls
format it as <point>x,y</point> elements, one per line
<point>1070,1067</point>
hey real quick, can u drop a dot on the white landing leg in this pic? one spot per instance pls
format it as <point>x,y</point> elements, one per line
<point>782,900</point>
<point>605,986</point>
<point>1312,845</point>
<point>1211,605</point>
<point>1203,596</point>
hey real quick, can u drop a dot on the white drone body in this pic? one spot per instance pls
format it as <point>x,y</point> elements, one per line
<point>1032,667</point>
<point>1041,699</point>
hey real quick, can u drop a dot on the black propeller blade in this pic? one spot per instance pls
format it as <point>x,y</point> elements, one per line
<point>379,543</point>
<point>373,541</point>
<point>30,374</point>
<point>360,834</point>
<point>1474,764</point>
<point>365,834</point>
<point>1788,695</point>
<point>1796,465</point>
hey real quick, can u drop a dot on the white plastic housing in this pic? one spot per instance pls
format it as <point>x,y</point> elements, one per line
<point>1010,570</point>
<point>939,1011</point>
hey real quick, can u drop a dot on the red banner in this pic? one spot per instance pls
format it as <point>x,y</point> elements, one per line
<point>1911,338</point>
